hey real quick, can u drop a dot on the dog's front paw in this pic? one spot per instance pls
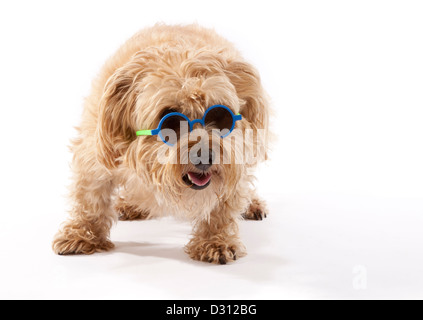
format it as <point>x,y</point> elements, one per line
<point>214,251</point>
<point>256,211</point>
<point>65,244</point>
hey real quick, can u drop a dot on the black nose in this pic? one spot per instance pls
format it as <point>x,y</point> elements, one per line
<point>205,161</point>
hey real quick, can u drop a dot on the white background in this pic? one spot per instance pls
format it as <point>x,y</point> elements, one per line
<point>345,180</point>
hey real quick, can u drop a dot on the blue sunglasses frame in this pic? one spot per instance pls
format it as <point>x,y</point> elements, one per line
<point>155,132</point>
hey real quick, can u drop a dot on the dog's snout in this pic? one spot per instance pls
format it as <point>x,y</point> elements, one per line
<point>203,167</point>
<point>205,161</point>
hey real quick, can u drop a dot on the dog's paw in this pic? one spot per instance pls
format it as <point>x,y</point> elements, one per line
<point>256,211</point>
<point>216,252</point>
<point>68,245</point>
<point>130,213</point>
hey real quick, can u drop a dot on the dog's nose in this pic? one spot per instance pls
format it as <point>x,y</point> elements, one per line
<point>206,161</point>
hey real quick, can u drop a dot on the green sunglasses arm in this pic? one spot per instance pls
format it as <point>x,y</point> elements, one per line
<point>144,133</point>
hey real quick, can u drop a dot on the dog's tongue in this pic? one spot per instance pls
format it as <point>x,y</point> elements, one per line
<point>199,179</point>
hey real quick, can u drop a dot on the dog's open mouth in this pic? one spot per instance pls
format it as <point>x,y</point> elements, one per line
<point>197,181</point>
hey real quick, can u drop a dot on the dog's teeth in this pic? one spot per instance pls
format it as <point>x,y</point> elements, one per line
<point>189,178</point>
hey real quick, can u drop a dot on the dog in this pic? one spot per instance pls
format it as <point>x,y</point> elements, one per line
<point>161,78</point>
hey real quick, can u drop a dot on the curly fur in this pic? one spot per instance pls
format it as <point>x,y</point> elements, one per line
<point>116,173</point>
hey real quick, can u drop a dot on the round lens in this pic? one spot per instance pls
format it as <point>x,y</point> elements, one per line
<point>219,118</point>
<point>171,128</point>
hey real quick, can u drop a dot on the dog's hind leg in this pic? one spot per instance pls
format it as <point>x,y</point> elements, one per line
<point>92,215</point>
<point>257,209</point>
<point>128,212</point>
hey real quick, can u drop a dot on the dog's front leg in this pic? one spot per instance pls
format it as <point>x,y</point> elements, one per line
<point>217,240</point>
<point>92,215</point>
<point>88,229</point>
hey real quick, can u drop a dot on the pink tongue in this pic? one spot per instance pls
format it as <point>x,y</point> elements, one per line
<point>199,180</point>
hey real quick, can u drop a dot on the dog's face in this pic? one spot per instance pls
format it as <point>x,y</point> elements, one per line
<point>201,167</point>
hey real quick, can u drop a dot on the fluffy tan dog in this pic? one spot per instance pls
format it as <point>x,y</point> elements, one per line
<point>117,174</point>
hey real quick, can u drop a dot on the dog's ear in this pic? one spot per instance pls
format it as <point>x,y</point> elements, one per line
<point>256,109</point>
<point>115,128</point>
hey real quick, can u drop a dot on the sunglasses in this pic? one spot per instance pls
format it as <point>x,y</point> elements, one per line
<point>218,116</point>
